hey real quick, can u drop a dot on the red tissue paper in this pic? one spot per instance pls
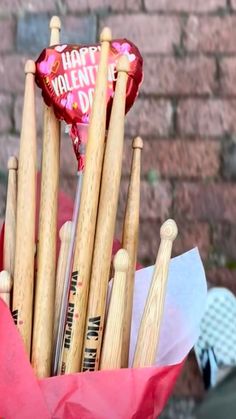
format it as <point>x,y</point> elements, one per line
<point>139,393</point>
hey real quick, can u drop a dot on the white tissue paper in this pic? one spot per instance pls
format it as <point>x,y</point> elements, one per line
<point>183,310</point>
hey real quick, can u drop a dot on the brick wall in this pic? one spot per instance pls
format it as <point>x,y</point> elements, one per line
<point>186,111</point>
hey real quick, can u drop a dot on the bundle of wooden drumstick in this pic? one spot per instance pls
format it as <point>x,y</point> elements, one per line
<point>91,339</point>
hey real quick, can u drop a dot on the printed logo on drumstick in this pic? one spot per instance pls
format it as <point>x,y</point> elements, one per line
<point>70,311</point>
<point>90,354</point>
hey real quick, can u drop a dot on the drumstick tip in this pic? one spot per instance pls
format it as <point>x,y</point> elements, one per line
<point>106,35</point>
<point>55,23</point>
<point>12,163</point>
<point>123,64</point>
<point>65,231</point>
<point>169,230</point>
<point>138,143</point>
<point>121,261</point>
<point>5,282</point>
<point>30,67</point>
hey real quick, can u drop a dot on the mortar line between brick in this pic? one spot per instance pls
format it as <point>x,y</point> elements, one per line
<point>174,125</point>
<point>229,5</point>
<point>181,14</point>
<point>143,11</point>
<point>143,6</point>
<point>62,7</point>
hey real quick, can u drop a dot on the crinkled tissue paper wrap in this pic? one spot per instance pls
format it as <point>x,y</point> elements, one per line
<point>139,393</point>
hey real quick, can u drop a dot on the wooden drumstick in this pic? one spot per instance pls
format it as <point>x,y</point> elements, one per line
<point>113,335</point>
<point>25,216</point>
<point>45,284</point>
<point>149,331</point>
<point>10,217</point>
<point>84,242</point>
<point>130,241</point>
<point>65,235</point>
<point>5,286</point>
<point>108,201</point>
<point>55,27</point>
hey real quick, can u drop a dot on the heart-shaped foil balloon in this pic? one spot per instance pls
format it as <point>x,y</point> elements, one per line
<point>67,74</point>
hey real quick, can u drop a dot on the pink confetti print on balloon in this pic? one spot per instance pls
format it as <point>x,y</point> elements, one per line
<point>85,119</point>
<point>46,66</point>
<point>124,49</point>
<point>68,102</point>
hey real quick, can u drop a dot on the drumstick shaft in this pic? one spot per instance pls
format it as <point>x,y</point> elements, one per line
<point>113,336</point>
<point>65,236</point>
<point>130,241</point>
<point>25,219</point>
<point>78,295</point>
<point>10,217</point>
<point>45,284</point>
<point>149,331</point>
<point>106,222</point>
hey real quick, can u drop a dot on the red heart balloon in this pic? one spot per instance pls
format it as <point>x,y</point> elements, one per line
<point>67,73</point>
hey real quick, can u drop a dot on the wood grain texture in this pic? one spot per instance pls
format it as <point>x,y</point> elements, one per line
<point>130,241</point>
<point>113,335</point>
<point>10,217</point>
<point>149,331</point>
<point>5,286</point>
<point>84,242</point>
<point>106,219</point>
<point>25,219</point>
<point>45,284</point>
<point>65,237</point>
